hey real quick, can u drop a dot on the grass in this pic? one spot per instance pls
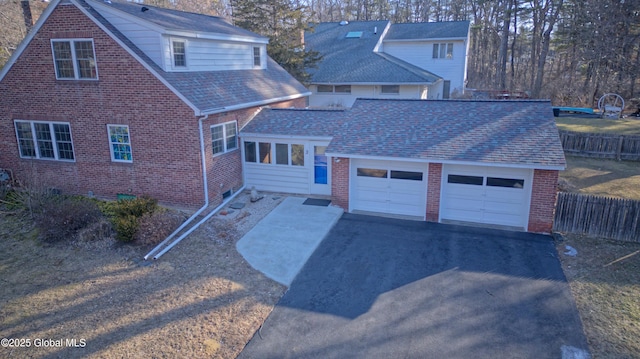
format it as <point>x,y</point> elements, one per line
<point>602,177</point>
<point>624,126</point>
<point>605,275</point>
<point>605,281</point>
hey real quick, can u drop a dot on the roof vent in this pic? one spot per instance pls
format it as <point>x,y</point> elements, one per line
<point>144,8</point>
<point>344,22</point>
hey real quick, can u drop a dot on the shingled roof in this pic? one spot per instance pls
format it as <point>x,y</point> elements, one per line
<point>295,122</point>
<point>428,31</point>
<point>209,91</point>
<point>352,60</point>
<point>520,133</point>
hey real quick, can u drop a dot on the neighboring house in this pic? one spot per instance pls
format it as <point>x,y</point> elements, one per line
<point>377,59</point>
<point>489,162</point>
<point>111,98</point>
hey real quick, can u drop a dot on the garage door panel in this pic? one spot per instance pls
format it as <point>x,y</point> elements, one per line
<point>389,187</point>
<point>502,199</point>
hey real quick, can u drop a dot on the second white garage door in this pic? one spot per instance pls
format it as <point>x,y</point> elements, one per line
<point>389,187</point>
<point>488,195</point>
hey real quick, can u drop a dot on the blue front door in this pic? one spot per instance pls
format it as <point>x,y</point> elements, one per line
<point>320,165</point>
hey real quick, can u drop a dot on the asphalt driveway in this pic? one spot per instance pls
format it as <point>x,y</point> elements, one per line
<point>387,288</point>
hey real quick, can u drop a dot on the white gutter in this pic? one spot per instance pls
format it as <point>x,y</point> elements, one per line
<point>245,105</point>
<point>205,206</point>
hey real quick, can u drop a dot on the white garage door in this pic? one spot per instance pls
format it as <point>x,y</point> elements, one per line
<point>490,195</point>
<point>389,187</point>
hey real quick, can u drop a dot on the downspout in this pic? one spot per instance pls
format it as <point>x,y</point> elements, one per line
<point>206,200</point>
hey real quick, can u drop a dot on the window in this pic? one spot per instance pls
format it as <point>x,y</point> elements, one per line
<point>282,154</point>
<point>371,172</point>
<point>250,152</point>
<point>390,89</point>
<point>406,175</point>
<point>443,51</point>
<point>256,57</point>
<point>74,59</point>
<point>334,89</point>
<point>505,182</point>
<point>179,53</point>
<point>264,149</point>
<point>285,154</point>
<point>224,137</point>
<point>297,155</point>
<point>460,179</point>
<point>45,140</point>
<point>119,143</point>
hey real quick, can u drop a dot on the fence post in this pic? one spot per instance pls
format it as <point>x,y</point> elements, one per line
<point>619,151</point>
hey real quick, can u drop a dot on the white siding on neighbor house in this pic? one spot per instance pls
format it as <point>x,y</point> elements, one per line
<point>361,91</point>
<point>149,41</point>
<point>420,53</point>
<point>213,55</point>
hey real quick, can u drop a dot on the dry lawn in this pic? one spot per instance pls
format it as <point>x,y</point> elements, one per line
<point>602,177</point>
<point>200,300</point>
<point>605,281</point>
<point>623,126</point>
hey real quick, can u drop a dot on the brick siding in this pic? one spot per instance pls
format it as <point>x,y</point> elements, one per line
<point>340,183</point>
<point>164,131</point>
<point>433,192</point>
<point>543,201</point>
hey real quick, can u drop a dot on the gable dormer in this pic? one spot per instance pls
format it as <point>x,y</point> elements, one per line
<point>179,41</point>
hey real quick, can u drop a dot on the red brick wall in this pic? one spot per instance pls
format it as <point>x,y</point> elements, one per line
<point>340,183</point>
<point>433,192</point>
<point>543,201</point>
<point>164,131</point>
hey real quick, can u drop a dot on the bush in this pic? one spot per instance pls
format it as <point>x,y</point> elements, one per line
<point>126,227</point>
<point>155,227</point>
<point>61,218</point>
<point>126,214</point>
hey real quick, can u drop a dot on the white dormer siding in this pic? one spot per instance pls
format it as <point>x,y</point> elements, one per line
<point>420,53</point>
<point>197,51</point>
<point>212,55</point>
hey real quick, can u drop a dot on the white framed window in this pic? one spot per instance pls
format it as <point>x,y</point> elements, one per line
<point>224,137</point>
<point>285,154</point>
<point>74,59</point>
<point>257,58</point>
<point>443,51</point>
<point>334,89</point>
<point>120,143</point>
<point>45,140</point>
<point>179,53</point>
<point>390,89</point>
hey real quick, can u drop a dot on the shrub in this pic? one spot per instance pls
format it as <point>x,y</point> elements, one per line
<point>60,218</point>
<point>155,227</point>
<point>126,213</point>
<point>126,227</point>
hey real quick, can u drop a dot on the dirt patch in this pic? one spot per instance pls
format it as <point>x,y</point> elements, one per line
<point>201,299</point>
<point>604,278</point>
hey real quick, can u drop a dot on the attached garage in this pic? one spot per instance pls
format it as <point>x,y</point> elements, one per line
<point>488,195</point>
<point>390,187</point>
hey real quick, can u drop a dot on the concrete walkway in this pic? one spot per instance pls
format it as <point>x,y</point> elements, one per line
<point>283,241</point>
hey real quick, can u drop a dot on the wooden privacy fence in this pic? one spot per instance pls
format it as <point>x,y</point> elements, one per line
<point>613,218</point>
<point>601,145</point>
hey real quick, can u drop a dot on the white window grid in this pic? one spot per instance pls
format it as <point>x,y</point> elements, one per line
<point>179,53</point>
<point>45,140</point>
<point>120,143</point>
<point>74,59</point>
<point>224,137</point>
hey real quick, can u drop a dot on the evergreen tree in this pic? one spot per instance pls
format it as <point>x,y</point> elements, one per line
<point>284,24</point>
